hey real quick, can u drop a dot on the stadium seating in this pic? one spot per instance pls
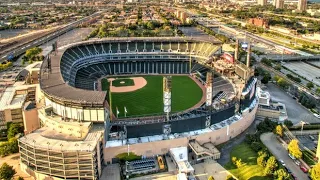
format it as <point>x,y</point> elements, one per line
<point>176,63</point>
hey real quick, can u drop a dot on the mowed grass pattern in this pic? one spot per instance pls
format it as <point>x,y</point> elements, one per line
<point>250,170</point>
<point>149,99</point>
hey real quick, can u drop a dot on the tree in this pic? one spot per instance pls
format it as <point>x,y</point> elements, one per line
<point>277,67</point>
<point>262,158</point>
<point>20,178</point>
<point>315,172</point>
<point>318,91</point>
<point>294,149</point>
<point>281,174</point>
<point>271,165</point>
<point>283,83</point>
<point>211,178</point>
<point>276,78</point>
<point>33,52</point>
<point>6,172</point>
<point>288,123</point>
<point>310,85</point>
<point>279,130</point>
<point>14,129</point>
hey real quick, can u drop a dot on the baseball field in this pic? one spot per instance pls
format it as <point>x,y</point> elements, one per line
<point>149,99</point>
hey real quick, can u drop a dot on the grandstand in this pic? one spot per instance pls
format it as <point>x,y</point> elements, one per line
<point>78,113</point>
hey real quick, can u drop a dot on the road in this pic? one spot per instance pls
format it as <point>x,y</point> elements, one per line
<point>295,111</point>
<point>301,87</point>
<point>21,48</point>
<point>311,73</point>
<point>270,141</point>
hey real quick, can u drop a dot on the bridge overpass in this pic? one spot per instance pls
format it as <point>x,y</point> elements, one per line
<point>292,57</point>
<point>20,49</point>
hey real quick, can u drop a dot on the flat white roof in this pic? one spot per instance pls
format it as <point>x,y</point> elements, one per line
<point>182,176</point>
<point>36,139</point>
<point>180,154</point>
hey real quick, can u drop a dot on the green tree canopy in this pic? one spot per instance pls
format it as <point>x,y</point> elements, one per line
<point>31,53</point>
<point>294,149</point>
<point>318,91</point>
<point>288,123</point>
<point>310,85</point>
<point>281,174</point>
<point>262,158</point>
<point>14,129</point>
<point>271,165</point>
<point>6,172</point>
<point>315,172</point>
<point>279,130</point>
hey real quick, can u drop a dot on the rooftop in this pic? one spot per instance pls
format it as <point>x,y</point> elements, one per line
<point>37,140</point>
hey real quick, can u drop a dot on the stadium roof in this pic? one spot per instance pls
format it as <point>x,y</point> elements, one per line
<point>38,139</point>
<point>53,84</point>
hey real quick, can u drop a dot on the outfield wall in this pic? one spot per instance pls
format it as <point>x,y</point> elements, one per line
<point>161,147</point>
<point>179,126</point>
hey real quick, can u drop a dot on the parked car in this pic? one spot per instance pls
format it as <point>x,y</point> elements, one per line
<point>305,170</point>
<point>288,170</point>
<point>282,163</point>
<point>292,157</point>
<point>297,162</point>
<point>311,137</point>
<point>316,115</point>
<point>293,176</point>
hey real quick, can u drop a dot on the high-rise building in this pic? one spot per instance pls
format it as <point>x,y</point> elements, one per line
<point>262,2</point>
<point>279,4</point>
<point>302,5</point>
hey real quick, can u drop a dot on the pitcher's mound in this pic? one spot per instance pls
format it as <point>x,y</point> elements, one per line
<point>139,82</point>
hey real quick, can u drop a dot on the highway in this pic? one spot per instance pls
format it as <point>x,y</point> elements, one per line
<point>21,48</point>
<point>299,85</point>
<point>222,27</point>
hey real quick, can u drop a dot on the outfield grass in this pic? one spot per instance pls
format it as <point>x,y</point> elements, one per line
<point>149,99</point>
<point>251,170</point>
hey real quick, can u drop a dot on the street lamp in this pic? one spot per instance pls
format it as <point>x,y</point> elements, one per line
<point>302,123</point>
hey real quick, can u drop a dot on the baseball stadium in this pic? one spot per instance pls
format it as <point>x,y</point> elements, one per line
<point>110,96</point>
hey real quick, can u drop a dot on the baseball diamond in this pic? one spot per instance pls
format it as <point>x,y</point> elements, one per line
<point>148,100</point>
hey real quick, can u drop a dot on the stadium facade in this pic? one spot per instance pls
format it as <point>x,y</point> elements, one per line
<point>79,133</point>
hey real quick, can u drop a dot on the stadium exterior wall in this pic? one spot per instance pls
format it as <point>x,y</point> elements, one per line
<point>162,147</point>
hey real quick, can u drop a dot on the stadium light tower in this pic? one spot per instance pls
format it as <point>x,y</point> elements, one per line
<point>236,53</point>
<point>209,82</point>
<point>167,95</point>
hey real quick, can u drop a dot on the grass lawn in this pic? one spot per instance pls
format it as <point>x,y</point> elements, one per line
<point>251,170</point>
<point>149,99</point>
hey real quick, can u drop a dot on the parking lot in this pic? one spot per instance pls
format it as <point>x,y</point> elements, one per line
<point>309,141</point>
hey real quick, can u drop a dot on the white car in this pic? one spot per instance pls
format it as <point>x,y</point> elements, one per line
<point>298,163</point>
<point>282,163</point>
<point>316,115</point>
<point>292,157</point>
